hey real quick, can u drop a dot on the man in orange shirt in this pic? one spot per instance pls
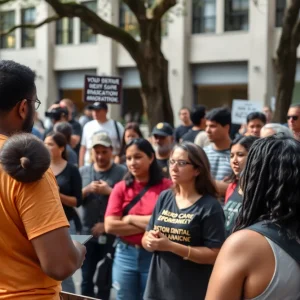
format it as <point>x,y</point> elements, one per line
<point>36,251</point>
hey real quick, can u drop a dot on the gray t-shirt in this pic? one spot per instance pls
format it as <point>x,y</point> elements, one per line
<point>219,162</point>
<point>72,156</point>
<point>94,205</point>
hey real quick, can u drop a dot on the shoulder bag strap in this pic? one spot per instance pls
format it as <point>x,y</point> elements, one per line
<point>135,200</point>
<point>280,237</point>
<point>118,132</point>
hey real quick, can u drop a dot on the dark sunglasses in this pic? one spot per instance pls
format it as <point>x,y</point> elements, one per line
<point>295,118</point>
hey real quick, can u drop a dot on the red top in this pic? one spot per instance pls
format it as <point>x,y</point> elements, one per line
<point>121,195</point>
<point>230,189</point>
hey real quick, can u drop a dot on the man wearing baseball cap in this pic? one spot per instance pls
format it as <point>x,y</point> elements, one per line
<point>163,142</point>
<point>98,180</point>
<point>113,128</point>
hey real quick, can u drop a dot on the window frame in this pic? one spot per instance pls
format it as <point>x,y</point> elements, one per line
<point>199,19</point>
<point>25,31</point>
<point>279,13</point>
<point>4,39</point>
<point>85,29</point>
<point>230,15</point>
<point>61,32</point>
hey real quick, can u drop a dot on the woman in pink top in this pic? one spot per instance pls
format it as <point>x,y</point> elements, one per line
<point>144,179</point>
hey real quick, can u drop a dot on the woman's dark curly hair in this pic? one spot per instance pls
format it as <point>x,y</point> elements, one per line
<point>271,184</point>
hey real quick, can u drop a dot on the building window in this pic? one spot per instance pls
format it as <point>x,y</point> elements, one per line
<point>130,24</point>
<point>28,35</point>
<point>86,32</point>
<point>236,15</point>
<point>7,21</point>
<point>204,16</point>
<point>128,20</point>
<point>280,9</point>
<point>64,31</point>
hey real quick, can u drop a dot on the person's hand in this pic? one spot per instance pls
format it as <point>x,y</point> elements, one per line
<point>98,229</point>
<point>157,241</point>
<point>99,187</point>
<point>82,251</point>
<point>104,188</point>
<point>126,219</point>
<point>93,187</point>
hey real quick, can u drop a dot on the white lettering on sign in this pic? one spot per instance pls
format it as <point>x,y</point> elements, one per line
<point>242,108</point>
<point>102,89</point>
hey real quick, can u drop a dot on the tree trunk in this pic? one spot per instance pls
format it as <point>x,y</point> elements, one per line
<point>153,70</point>
<point>286,61</point>
<point>286,70</point>
<point>154,78</point>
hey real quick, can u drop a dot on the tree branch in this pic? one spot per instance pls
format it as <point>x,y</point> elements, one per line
<point>32,26</point>
<point>98,25</point>
<point>4,1</point>
<point>162,7</point>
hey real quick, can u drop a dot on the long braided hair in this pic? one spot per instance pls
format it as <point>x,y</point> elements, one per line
<point>271,184</point>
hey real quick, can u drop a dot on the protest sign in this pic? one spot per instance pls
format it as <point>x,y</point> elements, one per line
<point>242,108</point>
<point>102,89</point>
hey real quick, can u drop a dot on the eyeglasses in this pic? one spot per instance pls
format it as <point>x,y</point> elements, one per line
<point>37,103</point>
<point>180,163</point>
<point>294,118</point>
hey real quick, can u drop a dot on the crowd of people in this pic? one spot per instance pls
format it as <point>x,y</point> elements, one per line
<point>206,210</point>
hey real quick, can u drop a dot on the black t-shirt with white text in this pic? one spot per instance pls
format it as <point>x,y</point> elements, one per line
<point>200,225</point>
<point>231,210</point>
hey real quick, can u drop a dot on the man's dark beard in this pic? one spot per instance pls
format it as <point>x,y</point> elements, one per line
<point>29,120</point>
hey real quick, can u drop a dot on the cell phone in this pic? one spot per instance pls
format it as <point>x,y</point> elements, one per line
<point>81,238</point>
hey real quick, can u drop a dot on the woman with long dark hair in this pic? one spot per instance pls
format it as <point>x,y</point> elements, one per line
<point>233,200</point>
<point>70,185</point>
<point>131,131</point>
<point>186,230</point>
<point>129,209</point>
<point>67,176</point>
<point>259,260</point>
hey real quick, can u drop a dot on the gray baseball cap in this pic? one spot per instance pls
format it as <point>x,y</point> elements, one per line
<point>101,138</point>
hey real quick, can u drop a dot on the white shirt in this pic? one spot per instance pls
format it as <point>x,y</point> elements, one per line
<point>93,127</point>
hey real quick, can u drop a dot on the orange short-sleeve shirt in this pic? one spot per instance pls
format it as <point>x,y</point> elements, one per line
<point>26,212</point>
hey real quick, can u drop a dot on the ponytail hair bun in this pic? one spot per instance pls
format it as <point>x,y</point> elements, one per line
<point>24,157</point>
<point>25,162</point>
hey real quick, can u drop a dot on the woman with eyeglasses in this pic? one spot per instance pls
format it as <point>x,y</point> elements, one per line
<point>186,230</point>
<point>233,199</point>
<point>128,212</point>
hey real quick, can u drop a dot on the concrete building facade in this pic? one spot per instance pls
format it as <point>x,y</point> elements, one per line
<point>218,50</point>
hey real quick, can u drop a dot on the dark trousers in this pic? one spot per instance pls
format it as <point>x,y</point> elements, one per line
<point>94,253</point>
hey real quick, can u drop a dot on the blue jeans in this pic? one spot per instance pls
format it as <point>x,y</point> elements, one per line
<point>130,271</point>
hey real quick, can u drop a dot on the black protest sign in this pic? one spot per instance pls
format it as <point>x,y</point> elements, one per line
<point>102,89</point>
